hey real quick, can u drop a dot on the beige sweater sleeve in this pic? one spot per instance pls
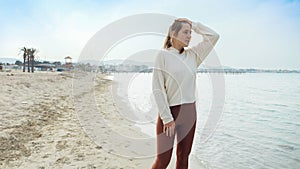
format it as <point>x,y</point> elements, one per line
<point>159,90</point>
<point>210,38</point>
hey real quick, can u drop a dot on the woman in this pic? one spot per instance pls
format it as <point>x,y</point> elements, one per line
<point>173,85</point>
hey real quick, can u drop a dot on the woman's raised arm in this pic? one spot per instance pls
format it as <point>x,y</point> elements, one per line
<point>210,38</point>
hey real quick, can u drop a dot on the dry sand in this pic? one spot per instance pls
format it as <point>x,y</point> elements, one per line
<point>40,126</point>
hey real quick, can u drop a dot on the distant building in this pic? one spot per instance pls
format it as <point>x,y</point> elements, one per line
<point>45,67</point>
<point>68,62</point>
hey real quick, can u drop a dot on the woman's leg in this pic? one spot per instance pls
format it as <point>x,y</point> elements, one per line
<point>185,134</point>
<point>164,147</point>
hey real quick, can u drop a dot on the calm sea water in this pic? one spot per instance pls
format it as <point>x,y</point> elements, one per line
<point>259,127</point>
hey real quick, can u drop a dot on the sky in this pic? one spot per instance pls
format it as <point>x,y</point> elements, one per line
<point>253,33</point>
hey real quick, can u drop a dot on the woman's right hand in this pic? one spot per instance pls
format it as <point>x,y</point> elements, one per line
<point>169,129</point>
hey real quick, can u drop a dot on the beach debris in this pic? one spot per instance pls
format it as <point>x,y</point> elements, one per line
<point>10,74</point>
<point>46,95</point>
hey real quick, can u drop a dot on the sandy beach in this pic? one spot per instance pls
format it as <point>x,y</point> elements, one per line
<point>40,126</point>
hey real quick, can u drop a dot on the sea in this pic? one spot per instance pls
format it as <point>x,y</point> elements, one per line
<point>257,126</point>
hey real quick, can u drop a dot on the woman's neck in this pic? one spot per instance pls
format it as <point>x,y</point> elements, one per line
<point>178,47</point>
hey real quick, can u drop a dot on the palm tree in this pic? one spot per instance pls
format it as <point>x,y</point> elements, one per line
<point>28,59</point>
<point>24,51</point>
<point>32,55</point>
<point>28,54</point>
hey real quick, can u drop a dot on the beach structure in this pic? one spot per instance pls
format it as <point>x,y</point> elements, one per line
<point>68,62</point>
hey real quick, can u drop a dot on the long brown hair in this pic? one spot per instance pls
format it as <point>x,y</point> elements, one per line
<point>176,26</point>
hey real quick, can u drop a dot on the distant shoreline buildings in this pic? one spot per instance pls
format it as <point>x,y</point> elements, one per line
<point>127,67</point>
<point>147,69</point>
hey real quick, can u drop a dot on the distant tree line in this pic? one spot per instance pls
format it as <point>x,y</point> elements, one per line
<point>36,62</point>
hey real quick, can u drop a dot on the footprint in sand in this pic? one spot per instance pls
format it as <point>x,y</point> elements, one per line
<point>61,145</point>
<point>63,160</point>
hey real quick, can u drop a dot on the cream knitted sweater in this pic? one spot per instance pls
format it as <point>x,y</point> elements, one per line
<point>174,74</point>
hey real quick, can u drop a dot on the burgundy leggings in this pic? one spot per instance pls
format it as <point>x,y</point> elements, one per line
<point>185,123</point>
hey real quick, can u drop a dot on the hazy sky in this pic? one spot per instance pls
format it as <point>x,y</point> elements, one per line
<point>254,33</point>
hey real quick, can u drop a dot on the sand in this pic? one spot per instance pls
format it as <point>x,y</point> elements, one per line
<point>41,127</point>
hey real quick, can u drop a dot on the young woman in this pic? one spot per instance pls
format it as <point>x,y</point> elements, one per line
<point>173,85</point>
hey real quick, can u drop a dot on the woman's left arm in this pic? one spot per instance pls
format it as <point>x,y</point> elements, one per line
<point>210,38</point>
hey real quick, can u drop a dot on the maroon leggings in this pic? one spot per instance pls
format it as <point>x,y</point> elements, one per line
<point>185,123</point>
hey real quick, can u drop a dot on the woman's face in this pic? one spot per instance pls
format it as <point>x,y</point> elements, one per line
<point>184,35</point>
